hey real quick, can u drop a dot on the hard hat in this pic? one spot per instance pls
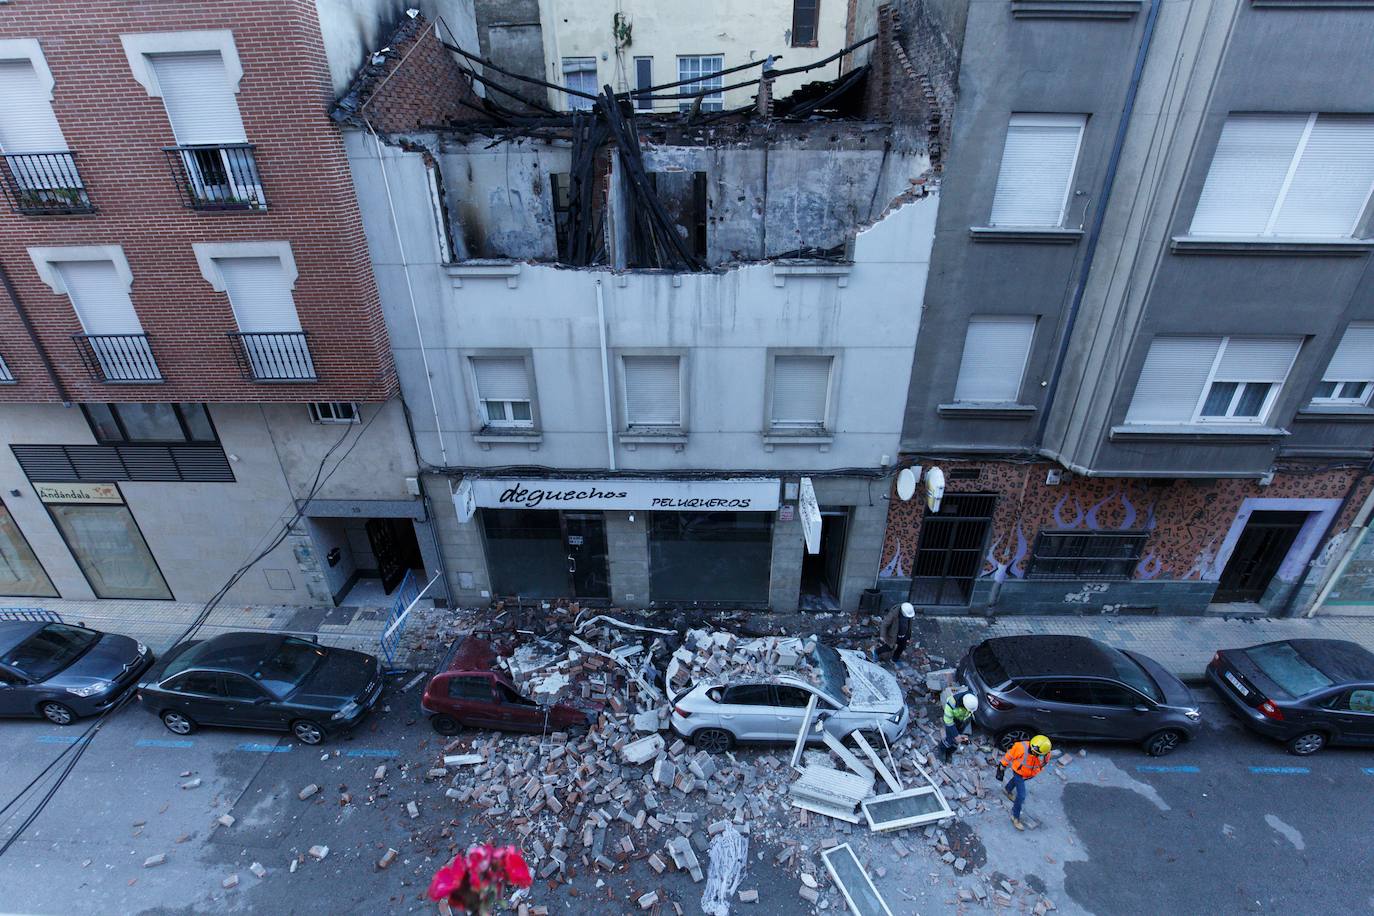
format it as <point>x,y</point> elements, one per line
<point>1041,745</point>
<point>908,610</point>
<point>971,702</point>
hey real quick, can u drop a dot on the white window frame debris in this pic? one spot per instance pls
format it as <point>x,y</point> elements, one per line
<point>881,826</point>
<point>801,733</point>
<point>844,849</point>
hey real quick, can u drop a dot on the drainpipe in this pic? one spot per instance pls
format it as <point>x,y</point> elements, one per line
<point>33,336</point>
<point>1287,609</point>
<point>605,374</point>
<point>1099,216</point>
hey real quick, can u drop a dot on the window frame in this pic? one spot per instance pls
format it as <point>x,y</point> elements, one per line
<point>1068,184</point>
<point>815,10</point>
<point>1020,376</point>
<point>697,84</point>
<point>627,425</point>
<point>1045,537</point>
<point>124,433</point>
<point>1229,418</point>
<point>569,66</point>
<point>644,104</point>
<point>479,403</point>
<point>831,392</point>
<point>317,417</point>
<point>1335,399</point>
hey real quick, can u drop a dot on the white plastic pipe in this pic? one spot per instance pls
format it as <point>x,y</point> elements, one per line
<point>605,373</point>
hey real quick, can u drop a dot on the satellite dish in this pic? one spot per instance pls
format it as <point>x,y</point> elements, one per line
<point>935,488</point>
<point>906,483</point>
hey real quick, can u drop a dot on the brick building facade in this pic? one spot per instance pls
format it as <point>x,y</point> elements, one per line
<point>191,331</point>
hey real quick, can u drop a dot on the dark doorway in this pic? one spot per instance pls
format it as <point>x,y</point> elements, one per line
<point>949,554</point>
<point>1259,552</point>
<point>585,535</point>
<point>395,547</point>
<point>821,572</point>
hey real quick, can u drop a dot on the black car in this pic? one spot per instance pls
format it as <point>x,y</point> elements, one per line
<point>262,680</point>
<point>61,672</point>
<point>1307,693</point>
<point>1078,688</point>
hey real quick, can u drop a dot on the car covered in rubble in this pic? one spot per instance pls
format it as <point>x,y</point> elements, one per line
<point>471,691</point>
<point>726,691</point>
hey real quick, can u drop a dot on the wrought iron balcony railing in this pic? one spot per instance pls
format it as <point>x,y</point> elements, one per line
<point>279,356</point>
<point>44,183</point>
<point>6,376</point>
<point>217,177</point>
<point>118,357</point>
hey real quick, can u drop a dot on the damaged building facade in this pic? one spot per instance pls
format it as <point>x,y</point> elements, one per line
<point>639,354</point>
<point>1147,355</point>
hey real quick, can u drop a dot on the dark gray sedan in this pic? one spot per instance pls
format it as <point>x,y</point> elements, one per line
<point>264,681</point>
<point>1077,688</point>
<point>60,672</point>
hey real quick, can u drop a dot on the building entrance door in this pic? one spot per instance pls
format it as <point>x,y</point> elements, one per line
<point>1259,552</point>
<point>394,545</point>
<point>820,586</point>
<point>585,535</point>
<point>949,554</point>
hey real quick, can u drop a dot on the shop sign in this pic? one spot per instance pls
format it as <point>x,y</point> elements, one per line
<point>786,514</point>
<point>735,495</point>
<point>810,511</point>
<point>98,493</point>
<point>463,501</point>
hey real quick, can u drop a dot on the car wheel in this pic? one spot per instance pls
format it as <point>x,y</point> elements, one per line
<point>1165,742</point>
<point>307,732</point>
<point>177,723</point>
<point>1009,736</point>
<point>56,713</point>
<point>444,725</point>
<point>1307,743</point>
<point>713,740</point>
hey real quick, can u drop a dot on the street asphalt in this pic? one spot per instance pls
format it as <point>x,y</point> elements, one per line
<point>1228,824</point>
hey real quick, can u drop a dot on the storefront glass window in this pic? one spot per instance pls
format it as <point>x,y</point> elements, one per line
<point>20,572</point>
<point>526,555</point>
<point>714,557</point>
<point>110,551</point>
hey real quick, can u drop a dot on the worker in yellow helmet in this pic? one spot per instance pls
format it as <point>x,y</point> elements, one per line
<point>1026,759</point>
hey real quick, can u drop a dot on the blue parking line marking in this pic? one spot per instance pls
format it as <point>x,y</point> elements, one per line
<point>1369,771</point>
<point>60,739</point>
<point>1281,771</point>
<point>164,742</point>
<point>373,752</point>
<point>1182,768</point>
<point>264,748</point>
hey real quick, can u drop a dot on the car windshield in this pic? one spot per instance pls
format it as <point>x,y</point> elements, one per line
<point>1285,667</point>
<point>288,667</point>
<point>833,671</point>
<point>1129,671</point>
<point>49,650</point>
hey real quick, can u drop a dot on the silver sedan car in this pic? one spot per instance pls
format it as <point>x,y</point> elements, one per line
<point>716,714</point>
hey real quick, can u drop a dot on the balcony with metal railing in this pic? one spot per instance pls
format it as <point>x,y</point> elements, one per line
<point>279,356</point>
<point>42,184</point>
<point>118,358</point>
<point>220,176</point>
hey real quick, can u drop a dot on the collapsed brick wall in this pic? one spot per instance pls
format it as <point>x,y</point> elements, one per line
<point>416,83</point>
<point>914,80</point>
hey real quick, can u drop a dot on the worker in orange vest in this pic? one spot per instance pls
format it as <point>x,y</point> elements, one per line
<point>1026,759</point>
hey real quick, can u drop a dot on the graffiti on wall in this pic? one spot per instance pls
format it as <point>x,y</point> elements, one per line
<point>1187,520</point>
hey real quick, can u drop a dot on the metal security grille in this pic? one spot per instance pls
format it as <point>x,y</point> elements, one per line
<point>1086,555</point>
<point>117,463</point>
<point>950,552</point>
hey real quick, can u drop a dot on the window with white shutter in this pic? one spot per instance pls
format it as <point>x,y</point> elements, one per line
<point>1350,374</point>
<point>260,295</point>
<point>27,122</point>
<point>503,390</point>
<point>200,102</point>
<point>1037,169</point>
<point>1211,379</point>
<point>994,361</point>
<point>653,392</point>
<point>99,296</point>
<point>1288,175</point>
<point>801,392</point>
<point>579,73</point>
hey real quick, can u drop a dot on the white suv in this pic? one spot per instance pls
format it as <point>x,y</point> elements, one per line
<point>717,713</point>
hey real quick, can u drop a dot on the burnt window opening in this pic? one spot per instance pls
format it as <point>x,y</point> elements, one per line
<point>644,79</point>
<point>683,195</point>
<point>562,202</point>
<point>806,16</point>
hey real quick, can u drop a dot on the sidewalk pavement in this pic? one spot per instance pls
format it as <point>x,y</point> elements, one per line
<point>1184,645</point>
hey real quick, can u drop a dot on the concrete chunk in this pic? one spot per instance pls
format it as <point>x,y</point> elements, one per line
<point>648,900</point>
<point>319,852</point>
<point>387,858</point>
<point>749,896</point>
<point>462,760</point>
<point>412,809</point>
<point>258,870</point>
<point>225,820</point>
<point>643,750</point>
<point>230,882</point>
<point>308,791</point>
<point>380,772</point>
<point>154,861</point>
<point>193,784</point>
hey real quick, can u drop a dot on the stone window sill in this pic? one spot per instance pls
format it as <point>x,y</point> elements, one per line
<point>634,438</point>
<point>1186,432</point>
<point>821,440</point>
<point>1075,9</point>
<point>484,270</point>
<point>489,436</point>
<point>1034,235</point>
<point>1198,244</point>
<point>840,270</point>
<point>1337,413</point>
<point>989,410</point>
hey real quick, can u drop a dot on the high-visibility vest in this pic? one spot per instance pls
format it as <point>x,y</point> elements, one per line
<point>954,709</point>
<point>1023,761</point>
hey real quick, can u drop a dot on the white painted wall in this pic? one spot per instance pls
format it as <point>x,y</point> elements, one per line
<point>663,31</point>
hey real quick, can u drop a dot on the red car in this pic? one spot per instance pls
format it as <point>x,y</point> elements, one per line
<point>471,691</point>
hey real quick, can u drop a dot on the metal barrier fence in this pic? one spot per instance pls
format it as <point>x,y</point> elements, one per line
<point>36,614</point>
<point>407,595</point>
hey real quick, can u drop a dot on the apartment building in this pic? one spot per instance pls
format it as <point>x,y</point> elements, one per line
<point>193,345</point>
<point>1147,354</point>
<point>644,356</point>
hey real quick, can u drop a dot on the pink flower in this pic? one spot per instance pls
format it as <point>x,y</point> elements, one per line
<point>447,879</point>
<point>517,872</point>
<point>479,860</point>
